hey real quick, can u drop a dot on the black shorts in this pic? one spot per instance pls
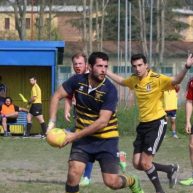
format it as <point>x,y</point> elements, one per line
<point>36,109</point>
<point>11,120</point>
<point>105,151</point>
<point>150,136</point>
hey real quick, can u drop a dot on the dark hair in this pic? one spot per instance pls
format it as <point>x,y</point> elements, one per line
<point>92,58</point>
<point>79,54</point>
<point>137,57</point>
<point>34,77</point>
<point>9,99</point>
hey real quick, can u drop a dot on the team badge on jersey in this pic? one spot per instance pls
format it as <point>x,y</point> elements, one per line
<point>148,87</point>
<point>98,96</point>
<point>81,88</point>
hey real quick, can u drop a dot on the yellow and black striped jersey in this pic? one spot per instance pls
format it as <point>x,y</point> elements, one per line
<point>89,102</point>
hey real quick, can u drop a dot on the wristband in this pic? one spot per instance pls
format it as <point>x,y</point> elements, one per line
<point>187,67</point>
<point>51,120</point>
<point>51,123</point>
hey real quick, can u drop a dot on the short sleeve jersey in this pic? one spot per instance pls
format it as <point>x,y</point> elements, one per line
<point>36,91</point>
<point>170,100</point>
<point>89,103</point>
<point>189,90</point>
<point>149,94</point>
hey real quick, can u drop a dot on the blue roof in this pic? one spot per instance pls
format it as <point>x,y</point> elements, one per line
<point>30,53</point>
<point>31,44</point>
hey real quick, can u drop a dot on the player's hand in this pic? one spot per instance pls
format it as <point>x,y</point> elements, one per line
<point>70,137</point>
<point>189,61</point>
<point>67,116</point>
<point>188,128</point>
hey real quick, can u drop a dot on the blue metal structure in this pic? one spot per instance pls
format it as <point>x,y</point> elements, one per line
<point>32,53</point>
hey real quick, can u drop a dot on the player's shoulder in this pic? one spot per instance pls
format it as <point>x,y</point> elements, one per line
<point>109,85</point>
<point>77,78</point>
<point>154,74</point>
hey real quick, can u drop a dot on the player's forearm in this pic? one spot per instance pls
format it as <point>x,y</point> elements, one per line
<point>53,108</point>
<point>179,77</point>
<point>89,130</point>
<point>118,79</point>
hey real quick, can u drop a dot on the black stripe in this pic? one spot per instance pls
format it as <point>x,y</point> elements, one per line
<point>107,131</point>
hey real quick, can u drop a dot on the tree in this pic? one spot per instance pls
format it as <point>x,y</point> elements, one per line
<point>19,7</point>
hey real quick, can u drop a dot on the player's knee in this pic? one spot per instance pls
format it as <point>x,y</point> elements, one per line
<point>145,165</point>
<point>112,183</point>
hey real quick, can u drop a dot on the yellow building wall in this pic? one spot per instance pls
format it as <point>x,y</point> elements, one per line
<point>60,22</point>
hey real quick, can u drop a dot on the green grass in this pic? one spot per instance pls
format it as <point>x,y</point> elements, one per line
<point>32,166</point>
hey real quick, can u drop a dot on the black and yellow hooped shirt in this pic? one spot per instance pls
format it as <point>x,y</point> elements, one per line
<point>89,102</point>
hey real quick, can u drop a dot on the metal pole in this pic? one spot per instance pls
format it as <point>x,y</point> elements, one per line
<point>151,29</point>
<point>126,35</point>
<point>118,36</point>
<point>130,31</point>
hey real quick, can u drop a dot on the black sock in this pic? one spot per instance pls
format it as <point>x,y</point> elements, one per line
<point>28,129</point>
<point>43,126</point>
<point>163,168</point>
<point>153,176</point>
<point>72,189</point>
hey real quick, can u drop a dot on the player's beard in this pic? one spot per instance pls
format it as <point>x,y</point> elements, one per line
<point>98,78</point>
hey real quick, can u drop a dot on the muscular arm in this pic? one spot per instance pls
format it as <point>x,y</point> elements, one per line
<point>118,79</point>
<point>179,77</point>
<point>58,95</point>
<point>189,109</point>
<point>100,123</point>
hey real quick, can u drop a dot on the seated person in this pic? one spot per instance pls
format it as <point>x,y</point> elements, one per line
<point>3,90</point>
<point>9,113</point>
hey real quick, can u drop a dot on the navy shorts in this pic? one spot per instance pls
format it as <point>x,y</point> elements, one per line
<point>36,109</point>
<point>171,114</point>
<point>105,151</point>
<point>150,136</point>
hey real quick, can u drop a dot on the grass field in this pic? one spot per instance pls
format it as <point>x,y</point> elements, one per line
<point>32,166</point>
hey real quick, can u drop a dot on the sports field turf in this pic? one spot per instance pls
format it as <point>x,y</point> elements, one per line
<point>32,166</point>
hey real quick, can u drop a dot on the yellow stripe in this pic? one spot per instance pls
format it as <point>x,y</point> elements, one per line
<point>86,114</point>
<point>89,122</point>
<point>104,135</point>
<point>107,135</point>
<point>88,95</point>
<point>107,128</point>
<point>84,121</point>
<point>113,120</point>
